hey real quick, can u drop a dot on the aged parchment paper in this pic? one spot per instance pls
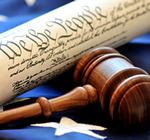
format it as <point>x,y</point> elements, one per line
<point>37,51</point>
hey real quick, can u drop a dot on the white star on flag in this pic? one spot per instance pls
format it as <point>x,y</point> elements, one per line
<point>3,18</point>
<point>30,2</point>
<point>67,125</point>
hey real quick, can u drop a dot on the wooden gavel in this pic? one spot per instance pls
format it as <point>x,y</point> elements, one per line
<point>122,89</point>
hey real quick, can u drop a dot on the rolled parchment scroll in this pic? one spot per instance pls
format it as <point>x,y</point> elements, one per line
<point>43,48</point>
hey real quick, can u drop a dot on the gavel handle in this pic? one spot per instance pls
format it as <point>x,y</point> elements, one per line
<point>77,98</point>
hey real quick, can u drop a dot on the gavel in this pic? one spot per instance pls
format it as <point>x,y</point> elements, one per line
<point>122,90</point>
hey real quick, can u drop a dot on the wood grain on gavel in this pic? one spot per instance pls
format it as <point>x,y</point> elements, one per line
<point>122,90</point>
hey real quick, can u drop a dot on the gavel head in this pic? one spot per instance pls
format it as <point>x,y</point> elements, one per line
<point>124,90</point>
